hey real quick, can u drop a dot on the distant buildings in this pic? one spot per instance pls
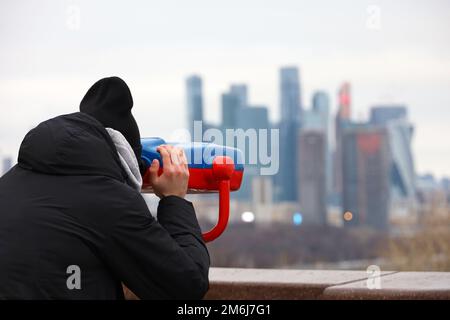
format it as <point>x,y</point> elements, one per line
<point>238,114</point>
<point>374,163</point>
<point>194,102</point>
<point>290,94</point>
<point>359,168</point>
<point>343,120</point>
<point>312,176</point>
<point>230,110</point>
<point>241,92</point>
<point>381,115</point>
<point>321,106</point>
<point>233,103</point>
<point>400,131</point>
<point>366,164</point>
<point>291,109</point>
<point>253,118</point>
<point>314,160</point>
<point>262,198</point>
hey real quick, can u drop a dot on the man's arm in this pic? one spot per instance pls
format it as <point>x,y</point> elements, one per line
<point>164,259</point>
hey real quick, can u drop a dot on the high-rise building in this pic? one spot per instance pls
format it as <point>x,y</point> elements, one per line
<point>403,173</point>
<point>194,102</point>
<point>230,110</point>
<point>262,196</point>
<point>290,98</point>
<point>343,120</point>
<point>241,91</point>
<point>381,115</point>
<point>232,103</point>
<point>366,171</point>
<point>395,120</point>
<point>291,109</point>
<point>321,105</point>
<point>312,120</point>
<point>251,119</point>
<point>344,96</point>
<point>321,102</point>
<point>312,176</point>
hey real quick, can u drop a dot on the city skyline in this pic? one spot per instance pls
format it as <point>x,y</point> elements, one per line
<point>48,64</point>
<point>368,172</point>
<point>196,80</point>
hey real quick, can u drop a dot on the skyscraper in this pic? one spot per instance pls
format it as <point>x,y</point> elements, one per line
<point>194,102</point>
<point>290,103</point>
<point>290,94</point>
<point>381,115</point>
<point>262,197</point>
<point>251,119</point>
<point>366,171</point>
<point>312,180</point>
<point>241,92</point>
<point>395,120</point>
<point>321,105</point>
<point>230,110</point>
<point>232,103</point>
<point>321,102</point>
<point>343,120</point>
<point>344,111</point>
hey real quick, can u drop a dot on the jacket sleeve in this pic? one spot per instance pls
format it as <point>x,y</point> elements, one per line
<point>164,259</point>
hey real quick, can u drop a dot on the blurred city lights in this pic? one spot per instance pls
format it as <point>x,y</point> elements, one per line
<point>248,216</point>
<point>348,216</point>
<point>297,218</point>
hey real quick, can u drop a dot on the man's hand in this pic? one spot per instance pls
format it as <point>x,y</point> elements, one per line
<point>174,179</point>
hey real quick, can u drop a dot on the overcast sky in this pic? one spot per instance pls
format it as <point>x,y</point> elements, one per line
<point>390,51</point>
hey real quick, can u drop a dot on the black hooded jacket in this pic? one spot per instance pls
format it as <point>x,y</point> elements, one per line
<point>67,206</point>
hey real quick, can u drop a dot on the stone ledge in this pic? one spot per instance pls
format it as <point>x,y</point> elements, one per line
<point>242,284</point>
<point>263,284</point>
<point>399,285</point>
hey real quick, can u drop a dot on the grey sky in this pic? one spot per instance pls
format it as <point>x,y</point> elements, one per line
<point>46,64</point>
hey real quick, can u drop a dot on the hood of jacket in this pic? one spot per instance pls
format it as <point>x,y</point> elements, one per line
<point>72,144</point>
<point>109,101</point>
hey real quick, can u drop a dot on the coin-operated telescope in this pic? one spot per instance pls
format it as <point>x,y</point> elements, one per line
<point>212,168</point>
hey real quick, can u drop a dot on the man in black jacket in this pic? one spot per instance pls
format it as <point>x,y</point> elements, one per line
<point>72,226</point>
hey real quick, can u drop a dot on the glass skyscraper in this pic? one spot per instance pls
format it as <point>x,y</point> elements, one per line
<point>400,130</point>
<point>312,179</point>
<point>241,92</point>
<point>290,94</point>
<point>194,102</point>
<point>251,118</point>
<point>366,165</point>
<point>343,120</point>
<point>233,102</point>
<point>321,106</point>
<point>286,179</point>
<point>381,115</point>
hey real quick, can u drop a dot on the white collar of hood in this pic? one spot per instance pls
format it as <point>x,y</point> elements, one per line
<point>127,158</point>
